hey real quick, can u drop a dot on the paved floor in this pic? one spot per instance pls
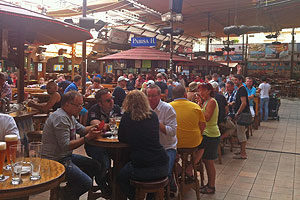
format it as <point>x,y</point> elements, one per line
<point>272,170</point>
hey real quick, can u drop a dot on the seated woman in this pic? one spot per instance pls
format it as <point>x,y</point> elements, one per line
<point>54,101</point>
<point>139,127</point>
<point>96,85</point>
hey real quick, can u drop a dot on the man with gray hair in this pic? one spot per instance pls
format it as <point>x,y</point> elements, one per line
<point>59,141</point>
<point>5,89</point>
<point>167,126</point>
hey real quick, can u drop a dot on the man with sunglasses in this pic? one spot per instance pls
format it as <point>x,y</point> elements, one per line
<point>103,110</point>
<point>59,141</point>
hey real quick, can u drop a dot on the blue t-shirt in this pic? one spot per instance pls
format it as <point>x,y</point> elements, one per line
<point>72,86</point>
<point>250,92</point>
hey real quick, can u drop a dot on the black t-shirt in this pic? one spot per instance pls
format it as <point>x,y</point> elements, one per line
<point>162,85</point>
<point>63,85</point>
<point>241,92</point>
<point>119,95</point>
<point>222,103</point>
<point>130,85</point>
<point>95,112</point>
<point>143,138</point>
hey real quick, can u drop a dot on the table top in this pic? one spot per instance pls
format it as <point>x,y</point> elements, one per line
<point>52,174</point>
<point>108,143</point>
<point>20,115</point>
<point>40,94</point>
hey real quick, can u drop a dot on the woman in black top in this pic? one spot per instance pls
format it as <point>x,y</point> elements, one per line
<point>139,127</point>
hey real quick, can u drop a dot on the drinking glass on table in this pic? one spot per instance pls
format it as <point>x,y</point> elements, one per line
<point>113,126</point>
<point>35,152</point>
<point>17,160</point>
<point>2,158</point>
<point>10,140</point>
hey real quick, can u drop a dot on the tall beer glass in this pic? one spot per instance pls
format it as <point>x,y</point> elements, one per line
<point>17,161</point>
<point>10,140</point>
<point>2,158</point>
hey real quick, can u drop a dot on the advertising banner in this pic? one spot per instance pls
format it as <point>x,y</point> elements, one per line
<point>143,42</point>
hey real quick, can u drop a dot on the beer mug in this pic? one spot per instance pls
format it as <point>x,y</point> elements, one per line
<point>2,158</point>
<point>10,140</point>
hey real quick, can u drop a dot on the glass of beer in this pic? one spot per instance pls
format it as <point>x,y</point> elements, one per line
<point>118,119</point>
<point>2,158</point>
<point>17,160</point>
<point>10,140</point>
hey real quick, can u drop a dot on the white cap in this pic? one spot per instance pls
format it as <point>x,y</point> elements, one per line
<point>11,138</point>
<point>2,146</point>
<point>214,84</point>
<point>150,82</point>
<point>122,78</point>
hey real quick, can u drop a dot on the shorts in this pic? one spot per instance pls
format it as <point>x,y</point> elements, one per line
<point>210,147</point>
<point>201,146</point>
<point>240,133</point>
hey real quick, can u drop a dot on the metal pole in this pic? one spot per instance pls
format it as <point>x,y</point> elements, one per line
<point>208,36</point>
<point>228,39</point>
<point>83,71</point>
<point>171,45</point>
<point>292,56</point>
<point>246,56</point>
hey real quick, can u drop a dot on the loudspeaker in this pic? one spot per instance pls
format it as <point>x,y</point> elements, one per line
<point>86,22</point>
<point>175,5</point>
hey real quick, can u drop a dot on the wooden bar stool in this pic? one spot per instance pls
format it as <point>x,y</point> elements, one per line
<point>184,154</point>
<point>157,187</point>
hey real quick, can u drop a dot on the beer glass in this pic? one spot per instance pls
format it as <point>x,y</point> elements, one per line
<point>10,140</point>
<point>17,159</point>
<point>35,152</point>
<point>2,158</point>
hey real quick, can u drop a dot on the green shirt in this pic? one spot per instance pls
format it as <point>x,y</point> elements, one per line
<point>212,129</point>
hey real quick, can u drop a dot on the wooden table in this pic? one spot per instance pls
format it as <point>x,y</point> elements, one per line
<point>120,158</point>
<point>42,97</point>
<point>52,174</point>
<point>21,115</point>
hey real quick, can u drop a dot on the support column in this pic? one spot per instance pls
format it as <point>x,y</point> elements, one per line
<point>292,56</point>
<point>83,68</point>
<point>20,64</point>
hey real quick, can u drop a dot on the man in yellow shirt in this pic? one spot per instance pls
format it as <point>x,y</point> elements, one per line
<point>190,123</point>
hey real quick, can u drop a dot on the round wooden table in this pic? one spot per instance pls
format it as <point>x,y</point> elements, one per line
<point>24,114</point>
<point>52,174</point>
<point>120,157</point>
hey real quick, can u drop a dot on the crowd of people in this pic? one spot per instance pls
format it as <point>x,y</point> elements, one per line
<point>198,117</point>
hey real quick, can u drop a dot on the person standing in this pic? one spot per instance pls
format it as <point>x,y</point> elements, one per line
<point>251,94</point>
<point>119,93</point>
<point>160,82</point>
<point>130,83</point>
<point>211,134</point>
<point>264,89</point>
<point>241,105</point>
<point>139,127</point>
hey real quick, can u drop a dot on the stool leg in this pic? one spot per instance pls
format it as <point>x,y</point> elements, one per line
<point>197,188</point>
<point>139,194</point>
<point>159,195</point>
<point>184,160</point>
<point>201,170</point>
<point>54,193</point>
<point>219,154</point>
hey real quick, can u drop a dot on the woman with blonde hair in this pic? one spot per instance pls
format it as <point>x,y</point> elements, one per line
<point>139,127</point>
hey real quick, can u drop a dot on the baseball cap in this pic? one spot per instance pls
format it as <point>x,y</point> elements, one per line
<point>150,82</point>
<point>122,78</point>
<point>214,84</point>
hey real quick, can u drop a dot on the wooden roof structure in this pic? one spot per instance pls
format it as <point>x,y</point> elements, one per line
<point>197,14</point>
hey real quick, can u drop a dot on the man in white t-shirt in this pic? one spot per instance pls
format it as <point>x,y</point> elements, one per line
<point>264,89</point>
<point>8,126</point>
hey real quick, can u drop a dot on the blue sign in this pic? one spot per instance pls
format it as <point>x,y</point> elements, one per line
<point>143,42</point>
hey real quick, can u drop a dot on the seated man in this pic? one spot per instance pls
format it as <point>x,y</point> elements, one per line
<point>103,110</point>
<point>190,124</point>
<point>7,126</point>
<point>59,141</point>
<point>167,126</point>
<point>53,102</point>
<point>95,86</point>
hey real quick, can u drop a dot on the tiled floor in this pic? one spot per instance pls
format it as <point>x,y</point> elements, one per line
<point>272,170</point>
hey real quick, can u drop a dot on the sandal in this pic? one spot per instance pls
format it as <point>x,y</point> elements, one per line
<point>203,186</point>
<point>237,153</point>
<point>240,157</point>
<point>208,190</point>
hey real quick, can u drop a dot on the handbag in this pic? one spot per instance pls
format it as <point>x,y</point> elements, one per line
<point>245,119</point>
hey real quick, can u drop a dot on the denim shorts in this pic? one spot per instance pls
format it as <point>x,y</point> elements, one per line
<point>210,147</point>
